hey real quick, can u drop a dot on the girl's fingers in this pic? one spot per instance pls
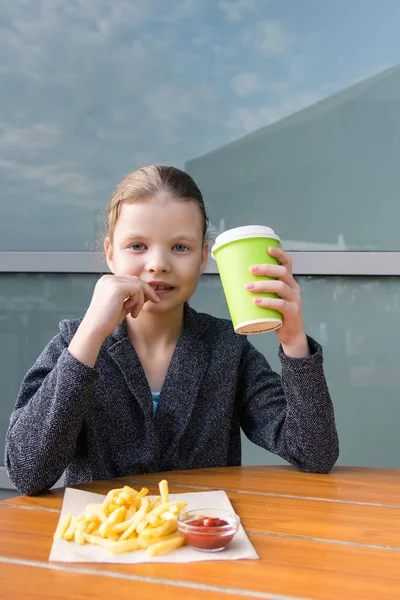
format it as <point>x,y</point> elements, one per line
<point>128,305</point>
<point>140,295</point>
<point>149,293</point>
<point>135,312</point>
<point>281,255</point>
<point>283,306</point>
<point>272,286</point>
<point>278,271</point>
<point>133,287</point>
<point>138,303</point>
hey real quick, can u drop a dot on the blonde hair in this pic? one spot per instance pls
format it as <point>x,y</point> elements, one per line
<point>147,182</point>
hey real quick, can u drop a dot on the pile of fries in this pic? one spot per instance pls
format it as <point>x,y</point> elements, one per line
<point>126,520</point>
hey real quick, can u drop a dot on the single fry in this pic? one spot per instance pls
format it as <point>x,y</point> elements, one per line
<point>95,510</point>
<point>167,515</point>
<point>144,544</point>
<point>109,501</point>
<point>117,516</point>
<point>156,532</point>
<point>124,525</point>
<point>166,545</point>
<point>92,527</point>
<point>79,533</point>
<point>62,526</point>
<point>69,534</point>
<point>163,486</point>
<point>126,546</point>
<point>143,492</point>
<point>156,512</point>
<point>98,541</point>
<point>142,525</point>
<point>155,502</point>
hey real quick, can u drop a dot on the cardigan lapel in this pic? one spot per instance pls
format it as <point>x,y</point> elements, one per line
<point>180,391</point>
<point>181,387</point>
<point>125,357</point>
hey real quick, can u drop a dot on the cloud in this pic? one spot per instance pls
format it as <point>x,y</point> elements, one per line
<point>171,108</point>
<point>244,120</point>
<point>268,37</point>
<point>246,83</point>
<point>181,10</point>
<point>54,176</point>
<point>35,135</point>
<point>233,10</point>
<point>97,18</point>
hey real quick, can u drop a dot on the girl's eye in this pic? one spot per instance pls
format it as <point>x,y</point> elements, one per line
<point>181,248</point>
<point>138,247</point>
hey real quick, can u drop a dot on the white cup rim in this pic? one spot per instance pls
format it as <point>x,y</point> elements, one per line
<point>240,233</point>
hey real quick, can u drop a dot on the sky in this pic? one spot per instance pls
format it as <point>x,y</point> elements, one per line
<point>91,89</point>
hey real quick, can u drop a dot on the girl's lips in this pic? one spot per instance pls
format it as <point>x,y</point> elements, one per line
<point>163,292</point>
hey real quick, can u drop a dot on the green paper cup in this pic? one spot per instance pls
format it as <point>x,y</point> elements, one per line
<point>235,251</point>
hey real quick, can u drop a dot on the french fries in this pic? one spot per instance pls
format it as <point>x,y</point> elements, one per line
<point>127,520</point>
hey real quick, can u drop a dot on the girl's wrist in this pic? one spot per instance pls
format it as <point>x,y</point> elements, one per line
<point>86,343</point>
<point>297,347</point>
<point>92,330</point>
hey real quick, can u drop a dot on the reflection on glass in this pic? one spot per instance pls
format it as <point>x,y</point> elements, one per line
<point>325,178</point>
<point>352,317</point>
<point>31,307</point>
<point>292,110</point>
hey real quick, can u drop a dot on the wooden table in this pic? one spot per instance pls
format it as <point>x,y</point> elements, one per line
<point>318,536</point>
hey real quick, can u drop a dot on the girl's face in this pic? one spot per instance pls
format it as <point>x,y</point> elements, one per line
<point>160,240</point>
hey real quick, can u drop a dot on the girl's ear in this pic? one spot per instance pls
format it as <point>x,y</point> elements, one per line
<point>204,257</point>
<point>108,249</point>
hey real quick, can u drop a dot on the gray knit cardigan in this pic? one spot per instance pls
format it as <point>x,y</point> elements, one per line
<point>98,423</point>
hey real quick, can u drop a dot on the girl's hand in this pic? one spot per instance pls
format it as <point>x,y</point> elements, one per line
<point>291,335</point>
<point>114,297</point>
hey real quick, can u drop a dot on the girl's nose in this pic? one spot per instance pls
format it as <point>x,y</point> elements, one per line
<point>157,263</point>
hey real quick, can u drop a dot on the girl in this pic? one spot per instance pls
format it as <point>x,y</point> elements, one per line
<point>143,383</point>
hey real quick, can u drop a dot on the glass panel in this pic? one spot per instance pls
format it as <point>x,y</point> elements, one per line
<point>31,308</point>
<point>286,113</point>
<point>350,316</point>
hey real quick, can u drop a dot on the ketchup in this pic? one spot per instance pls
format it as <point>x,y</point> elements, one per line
<point>214,536</point>
<point>208,522</point>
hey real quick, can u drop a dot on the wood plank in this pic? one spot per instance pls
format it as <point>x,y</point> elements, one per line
<point>288,567</point>
<point>343,522</point>
<point>44,583</point>
<point>349,484</point>
<point>53,498</point>
<point>352,484</point>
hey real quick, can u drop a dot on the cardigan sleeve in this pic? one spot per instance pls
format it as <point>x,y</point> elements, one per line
<point>290,415</point>
<point>48,417</point>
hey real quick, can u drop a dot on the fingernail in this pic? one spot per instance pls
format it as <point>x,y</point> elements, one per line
<point>254,269</point>
<point>249,286</point>
<point>258,300</point>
